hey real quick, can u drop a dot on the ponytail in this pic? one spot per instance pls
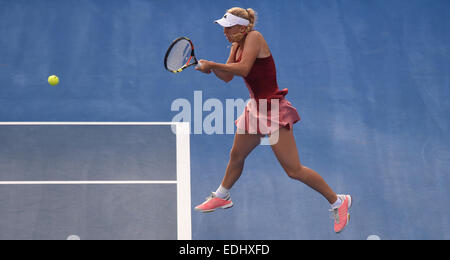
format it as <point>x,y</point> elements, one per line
<point>251,18</point>
<point>248,14</point>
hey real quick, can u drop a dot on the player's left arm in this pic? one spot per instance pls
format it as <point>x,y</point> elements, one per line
<point>251,50</point>
<point>223,75</point>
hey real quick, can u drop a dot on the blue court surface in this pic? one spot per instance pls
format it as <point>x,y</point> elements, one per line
<point>96,157</point>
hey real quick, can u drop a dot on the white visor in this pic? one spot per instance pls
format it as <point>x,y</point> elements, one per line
<point>229,20</point>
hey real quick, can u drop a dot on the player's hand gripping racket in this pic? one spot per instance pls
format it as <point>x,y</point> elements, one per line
<point>180,55</point>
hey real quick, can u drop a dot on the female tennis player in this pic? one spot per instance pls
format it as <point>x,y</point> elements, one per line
<point>250,58</point>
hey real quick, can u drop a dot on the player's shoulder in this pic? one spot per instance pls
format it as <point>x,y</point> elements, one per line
<point>255,34</point>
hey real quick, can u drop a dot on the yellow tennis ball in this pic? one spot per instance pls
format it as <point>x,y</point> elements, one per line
<point>53,80</point>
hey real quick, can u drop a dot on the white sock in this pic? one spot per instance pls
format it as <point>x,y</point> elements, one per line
<point>222,192</point>
<point>337,204</point>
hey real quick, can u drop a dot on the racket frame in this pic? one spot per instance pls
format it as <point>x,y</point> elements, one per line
<point>192,57</point>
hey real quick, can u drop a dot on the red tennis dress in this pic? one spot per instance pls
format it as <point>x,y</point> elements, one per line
<point>267,110</point>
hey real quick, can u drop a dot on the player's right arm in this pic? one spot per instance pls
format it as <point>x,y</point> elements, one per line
<point>223,75</point>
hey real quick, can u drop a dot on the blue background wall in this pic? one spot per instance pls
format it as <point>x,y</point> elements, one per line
<point>369,78</point>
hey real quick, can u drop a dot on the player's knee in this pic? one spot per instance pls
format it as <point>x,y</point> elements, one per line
<point>237,156</point>
<point>297,172</point>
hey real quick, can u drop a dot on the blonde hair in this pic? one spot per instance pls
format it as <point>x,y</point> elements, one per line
<point>248,14</point>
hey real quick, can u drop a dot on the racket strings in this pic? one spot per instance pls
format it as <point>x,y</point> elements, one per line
<point>179,56</point>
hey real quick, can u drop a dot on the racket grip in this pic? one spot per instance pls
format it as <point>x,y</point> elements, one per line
<point>199,65</point>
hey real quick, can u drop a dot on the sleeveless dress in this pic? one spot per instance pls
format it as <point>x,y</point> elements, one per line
<point>268,109</point>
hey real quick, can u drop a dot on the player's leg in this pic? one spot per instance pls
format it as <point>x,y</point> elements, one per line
<point>287,154</point>
<point>242,146</point>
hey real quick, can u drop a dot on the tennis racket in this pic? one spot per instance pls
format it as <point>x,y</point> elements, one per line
<point>180,55</point>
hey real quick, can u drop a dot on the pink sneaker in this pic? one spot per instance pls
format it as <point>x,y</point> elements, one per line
<point>341,215</point>
<point>212,203</point>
